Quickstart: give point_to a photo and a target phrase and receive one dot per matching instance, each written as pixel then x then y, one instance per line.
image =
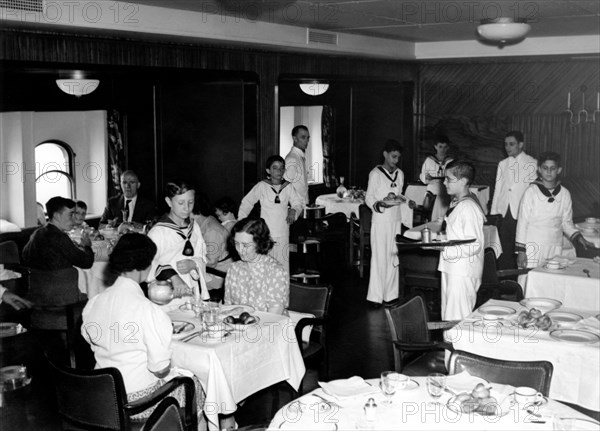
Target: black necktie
pixel 127 202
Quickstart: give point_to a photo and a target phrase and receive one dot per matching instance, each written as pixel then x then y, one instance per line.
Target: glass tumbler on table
pixel 436 384
pixel 390 380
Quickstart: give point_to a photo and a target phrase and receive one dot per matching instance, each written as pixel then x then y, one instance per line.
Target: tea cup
pixel 553 264
pixel 525 396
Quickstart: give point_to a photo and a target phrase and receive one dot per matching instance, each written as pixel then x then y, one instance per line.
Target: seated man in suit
pixel 134 207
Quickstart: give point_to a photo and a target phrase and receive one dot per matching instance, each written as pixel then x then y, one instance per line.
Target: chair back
pixel 9 253
pixel 490 269
pixel 91 398
pixel 408 322
pixel 165 417
pixel 309 299
pixel 535 374
pixel 55 287
pixel 428 202
pixel 365 215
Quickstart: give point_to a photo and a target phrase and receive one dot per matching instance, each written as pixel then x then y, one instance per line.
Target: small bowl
pixel 552 264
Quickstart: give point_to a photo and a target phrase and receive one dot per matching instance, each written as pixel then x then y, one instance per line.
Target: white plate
pixel 547 268
pixel 8 329
pixel 564 319
pixel 543 304
pixel 235 310
pixel 182 327
pixel 496 311
pixel 574 336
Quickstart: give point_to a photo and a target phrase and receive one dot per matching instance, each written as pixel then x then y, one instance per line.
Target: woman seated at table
pixel 126 330
pixel 181 250
pixel 256 279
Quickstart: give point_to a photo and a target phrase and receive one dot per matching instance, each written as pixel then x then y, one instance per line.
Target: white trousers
pixel 384 278
pixel 459 295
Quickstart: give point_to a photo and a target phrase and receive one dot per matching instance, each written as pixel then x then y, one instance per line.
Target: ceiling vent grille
pixel 313 36
pixel 28 5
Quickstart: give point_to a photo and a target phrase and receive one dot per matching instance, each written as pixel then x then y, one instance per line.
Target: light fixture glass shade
pixel 503 29
pixel 78 87
pixel 314 88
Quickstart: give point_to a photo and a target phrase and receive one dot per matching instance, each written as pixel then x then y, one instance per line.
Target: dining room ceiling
pixel 412 21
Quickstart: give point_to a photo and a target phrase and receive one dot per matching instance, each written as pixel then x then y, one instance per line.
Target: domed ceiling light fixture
pixel 503 30
pixel 314 88
pixel 78 85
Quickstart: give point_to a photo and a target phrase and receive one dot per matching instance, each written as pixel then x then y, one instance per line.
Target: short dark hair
pixel 392 145
pixel 462 169
pixel 57 204
pixel 134 251
pixel 442 139
pixel 297 128
pixel 179 187
pixel 81 204
pixel 129 172
pixel 258 229
pixel 226 204
pixel 515 134
pixel 272 159
pixel 202 205
pixel 549 155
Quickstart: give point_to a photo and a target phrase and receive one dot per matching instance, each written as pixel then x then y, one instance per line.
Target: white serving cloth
pixel 412 409
pixel 576 377
pixel 242 364
pixel 570 285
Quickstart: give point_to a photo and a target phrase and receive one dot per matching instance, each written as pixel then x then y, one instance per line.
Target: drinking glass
pixel 210 314
pixel 436 383
pixel 562 424
pixel 390 380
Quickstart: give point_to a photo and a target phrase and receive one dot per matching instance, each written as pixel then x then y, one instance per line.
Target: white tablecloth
pixel 411 409
pixel 490 235
pixel 576 377
pixel 334 204
pixel 242 364
pixel 91 280
pixel 571 285
pixel 416 192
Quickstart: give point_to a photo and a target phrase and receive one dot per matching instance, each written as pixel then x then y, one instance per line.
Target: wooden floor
pixel 359 345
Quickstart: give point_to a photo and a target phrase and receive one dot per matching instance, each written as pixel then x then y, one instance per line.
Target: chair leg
pixel 70 335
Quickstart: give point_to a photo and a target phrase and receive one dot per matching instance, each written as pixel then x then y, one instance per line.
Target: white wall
pixel 20 132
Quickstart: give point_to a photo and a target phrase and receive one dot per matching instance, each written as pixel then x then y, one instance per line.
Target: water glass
pixel 211 312
pixel 390 381
pixel 436 383
pixel 563 424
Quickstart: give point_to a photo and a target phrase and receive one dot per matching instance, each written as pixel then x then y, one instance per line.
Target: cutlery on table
pixel 191 336
pixel 329 402
pixel 587 272
pixel 181 328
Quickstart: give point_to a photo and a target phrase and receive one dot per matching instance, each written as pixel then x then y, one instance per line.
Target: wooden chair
pixel 312 300
pixel 535 374
pixel 415 351
pixel 96 399
pixel 331 231
pixel 57 304
pixel 165 417
pixel 422 213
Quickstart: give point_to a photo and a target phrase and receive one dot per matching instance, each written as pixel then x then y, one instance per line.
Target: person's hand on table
pixel 412 205
pixel 15 301
pixel 184 266
pixel 428 178
pixel 522 259
pixel 180 288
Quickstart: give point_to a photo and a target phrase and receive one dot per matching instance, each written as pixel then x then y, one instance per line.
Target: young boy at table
pixel 545 215
pixel 385 185
pixel 280 206
pixel 461 266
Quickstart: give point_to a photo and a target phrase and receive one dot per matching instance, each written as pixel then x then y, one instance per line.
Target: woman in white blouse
pixel 126 330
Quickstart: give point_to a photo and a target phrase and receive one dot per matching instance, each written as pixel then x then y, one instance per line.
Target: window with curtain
pixel 54 171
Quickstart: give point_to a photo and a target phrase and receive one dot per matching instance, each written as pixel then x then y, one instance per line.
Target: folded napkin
pixel 463 382
pixel 346 388
pixel 591 324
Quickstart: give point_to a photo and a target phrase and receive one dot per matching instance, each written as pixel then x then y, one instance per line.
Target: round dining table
pixel 412 408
